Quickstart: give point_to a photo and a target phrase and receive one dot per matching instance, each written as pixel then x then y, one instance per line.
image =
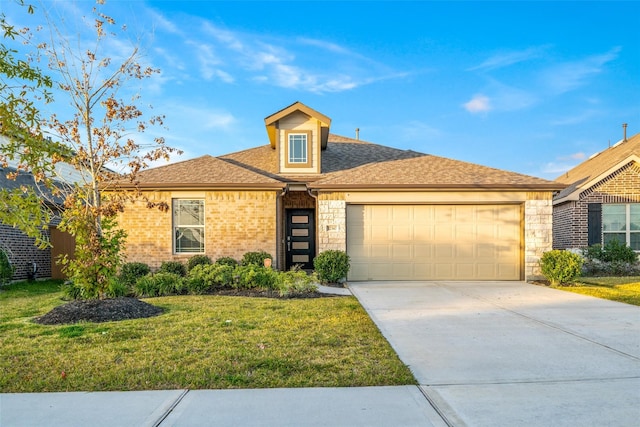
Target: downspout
pixel 316 218
pixel 279 228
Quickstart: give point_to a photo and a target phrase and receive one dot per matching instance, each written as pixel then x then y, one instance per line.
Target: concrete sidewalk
pixel 512 353
pixel 363 406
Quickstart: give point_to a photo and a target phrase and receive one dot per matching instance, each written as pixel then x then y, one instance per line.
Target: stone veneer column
pixel 538 235
pixel 332 223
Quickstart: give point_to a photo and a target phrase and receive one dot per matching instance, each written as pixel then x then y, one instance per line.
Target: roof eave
pixel 204 186
pixel 438 187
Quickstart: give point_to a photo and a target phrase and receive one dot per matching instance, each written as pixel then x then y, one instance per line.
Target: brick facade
pixel 236 222
pixel 23 253
pixel 570 226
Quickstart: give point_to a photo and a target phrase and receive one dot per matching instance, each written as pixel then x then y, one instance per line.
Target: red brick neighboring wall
pixel 235 222
pixel 570 219
pixel 22 253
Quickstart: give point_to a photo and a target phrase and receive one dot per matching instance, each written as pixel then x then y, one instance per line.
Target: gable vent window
pixel 298 151
pixel 622 222
pixel 188 226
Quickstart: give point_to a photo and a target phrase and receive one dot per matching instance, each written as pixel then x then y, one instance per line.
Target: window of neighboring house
pixel 188 226
pixel 621 222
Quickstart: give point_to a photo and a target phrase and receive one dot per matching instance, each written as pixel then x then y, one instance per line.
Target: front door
pixel 300 239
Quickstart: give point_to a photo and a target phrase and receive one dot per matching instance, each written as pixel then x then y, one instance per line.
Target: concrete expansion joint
pixel 439 410
pixel 171 408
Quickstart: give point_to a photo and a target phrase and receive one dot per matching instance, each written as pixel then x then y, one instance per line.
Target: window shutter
pixel 594 224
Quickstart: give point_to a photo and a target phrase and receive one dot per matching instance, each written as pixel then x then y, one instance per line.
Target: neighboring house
pixel 602 199
pixel 399 214
pixel 27 259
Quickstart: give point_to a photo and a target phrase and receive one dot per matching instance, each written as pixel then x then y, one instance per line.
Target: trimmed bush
pixel 203 278
pixel 331 266
pixel 561 267
pixel 132 271
pixel 295 282
pixel 612 251
pixel 226 260
pixel 159 284
pixel 254 277
pixel 255 258
pixel 198 260
pixel 174 267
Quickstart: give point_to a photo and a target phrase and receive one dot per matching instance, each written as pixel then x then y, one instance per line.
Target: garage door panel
pixel 434 242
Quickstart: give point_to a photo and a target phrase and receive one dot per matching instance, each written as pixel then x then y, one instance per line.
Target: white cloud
pixel 161 22
pixel 575 119
pixel 505 59
pixel 478 104
pixel 572 75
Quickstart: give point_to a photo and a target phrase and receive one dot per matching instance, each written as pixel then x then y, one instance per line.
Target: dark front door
pixel 300 239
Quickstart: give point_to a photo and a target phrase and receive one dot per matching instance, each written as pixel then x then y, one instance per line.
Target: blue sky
pixel 531 87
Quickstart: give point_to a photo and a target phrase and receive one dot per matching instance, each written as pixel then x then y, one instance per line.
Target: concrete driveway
pixel 512 353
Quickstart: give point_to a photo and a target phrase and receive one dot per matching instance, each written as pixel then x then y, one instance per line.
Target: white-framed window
pixel 621 222
pixel 188 226
pixel 298 152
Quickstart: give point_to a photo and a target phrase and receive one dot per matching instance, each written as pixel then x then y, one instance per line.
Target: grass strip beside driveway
pixel 621 289
pixel 200 342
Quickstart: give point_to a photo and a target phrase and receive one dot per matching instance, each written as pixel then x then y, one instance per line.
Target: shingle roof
pixel 202 172
pixel 27 180
pixel 427 171
pixel 346 162
pixel 599 166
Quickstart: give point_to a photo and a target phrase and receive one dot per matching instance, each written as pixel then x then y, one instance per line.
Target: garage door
pixel 434 242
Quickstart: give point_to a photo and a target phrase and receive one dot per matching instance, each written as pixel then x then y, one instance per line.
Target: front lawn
pixel 622 289
pixel 200 342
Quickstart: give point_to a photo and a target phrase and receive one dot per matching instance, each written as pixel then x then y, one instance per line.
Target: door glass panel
pixel 300 219
pixel 300 258
pixel 300 245
pixel 300 232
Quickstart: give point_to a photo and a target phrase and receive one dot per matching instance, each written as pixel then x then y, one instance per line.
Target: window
pixel 188 226
pixel 622 222
pixel 298 148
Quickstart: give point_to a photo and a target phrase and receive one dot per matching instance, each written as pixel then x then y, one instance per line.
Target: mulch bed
pixel 111 310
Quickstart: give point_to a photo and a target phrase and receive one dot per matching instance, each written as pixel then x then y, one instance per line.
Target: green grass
pixel 622 289
pixel 200 342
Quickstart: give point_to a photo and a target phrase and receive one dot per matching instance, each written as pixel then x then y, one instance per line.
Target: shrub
pixel 253 276
pixel 612 251
pixel 174 267
pixel 198 260
pixel 561 267
pixel 205 277
pixel 6 269
pixel 131 271
pixel 117 289
pixel 295 282
pixel 255 258
pixel 226 260
pixel 70 291
pixel 616 251
pixel 159 284
pixel 331 266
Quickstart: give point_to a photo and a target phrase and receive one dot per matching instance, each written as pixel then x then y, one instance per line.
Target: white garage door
pixel 434 242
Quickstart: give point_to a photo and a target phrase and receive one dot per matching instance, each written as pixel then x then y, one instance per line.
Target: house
pixel 399 214
pixel 29 261
pixel 602 199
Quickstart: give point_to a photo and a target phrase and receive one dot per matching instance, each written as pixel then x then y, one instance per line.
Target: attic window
pixel 298 149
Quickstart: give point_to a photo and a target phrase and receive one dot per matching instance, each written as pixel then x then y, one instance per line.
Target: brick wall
pixel 570 219
pixel 235 222
pixel 22 253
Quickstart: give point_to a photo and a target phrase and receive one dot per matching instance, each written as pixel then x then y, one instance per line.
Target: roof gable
pixel 271 122
pixel 598 167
